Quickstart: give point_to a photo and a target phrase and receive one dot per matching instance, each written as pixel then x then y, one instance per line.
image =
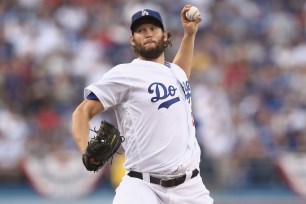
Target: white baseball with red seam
pixel 193 13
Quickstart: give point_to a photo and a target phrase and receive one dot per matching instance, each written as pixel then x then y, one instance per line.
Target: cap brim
pixel 144 18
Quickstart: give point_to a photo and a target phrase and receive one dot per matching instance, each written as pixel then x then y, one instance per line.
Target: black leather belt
pixel 164 182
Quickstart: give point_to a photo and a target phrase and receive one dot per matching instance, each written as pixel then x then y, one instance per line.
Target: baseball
pixel 193 13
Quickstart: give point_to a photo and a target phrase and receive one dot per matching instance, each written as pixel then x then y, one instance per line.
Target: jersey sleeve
pixel 179 72
pixel 111 90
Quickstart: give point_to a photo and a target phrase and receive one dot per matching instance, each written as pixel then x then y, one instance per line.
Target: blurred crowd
pixel 248 77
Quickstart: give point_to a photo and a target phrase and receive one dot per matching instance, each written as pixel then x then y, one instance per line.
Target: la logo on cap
pixel 144 13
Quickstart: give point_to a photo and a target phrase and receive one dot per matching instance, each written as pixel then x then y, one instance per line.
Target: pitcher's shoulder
pixel 178 70
pixel 120 68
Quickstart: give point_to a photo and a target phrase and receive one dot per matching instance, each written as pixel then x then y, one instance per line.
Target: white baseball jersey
pixel 152 103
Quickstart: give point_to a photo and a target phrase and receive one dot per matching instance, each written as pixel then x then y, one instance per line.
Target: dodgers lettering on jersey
pixel 152 103
pixel 162 92
pixel 187 90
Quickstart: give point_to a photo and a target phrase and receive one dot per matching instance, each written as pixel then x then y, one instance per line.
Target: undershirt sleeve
pixel 92 96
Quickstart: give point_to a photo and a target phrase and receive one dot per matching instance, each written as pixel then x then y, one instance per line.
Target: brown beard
pixel 152 53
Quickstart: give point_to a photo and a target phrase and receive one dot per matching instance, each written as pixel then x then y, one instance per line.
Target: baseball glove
pixel 102 147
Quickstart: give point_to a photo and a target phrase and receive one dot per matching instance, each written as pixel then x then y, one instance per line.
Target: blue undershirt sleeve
pixel 92 96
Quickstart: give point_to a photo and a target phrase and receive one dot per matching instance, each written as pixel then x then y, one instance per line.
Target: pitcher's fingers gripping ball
pixel 102 147
pixel 193 13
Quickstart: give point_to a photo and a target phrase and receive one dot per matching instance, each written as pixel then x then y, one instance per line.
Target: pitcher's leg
pixel 134 191
pixel 192 191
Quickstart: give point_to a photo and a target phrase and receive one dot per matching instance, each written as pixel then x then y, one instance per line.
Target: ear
pixel 132 41
pixel 165 36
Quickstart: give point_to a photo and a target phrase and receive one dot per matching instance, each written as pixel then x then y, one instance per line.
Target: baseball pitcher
pixel 152 102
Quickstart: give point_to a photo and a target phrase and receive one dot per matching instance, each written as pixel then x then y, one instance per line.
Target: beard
pixel 150 53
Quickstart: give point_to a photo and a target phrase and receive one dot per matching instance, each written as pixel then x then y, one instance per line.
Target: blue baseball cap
pixel 146 14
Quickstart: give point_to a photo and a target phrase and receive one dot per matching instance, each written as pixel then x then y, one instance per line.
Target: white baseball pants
pixel 136 191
